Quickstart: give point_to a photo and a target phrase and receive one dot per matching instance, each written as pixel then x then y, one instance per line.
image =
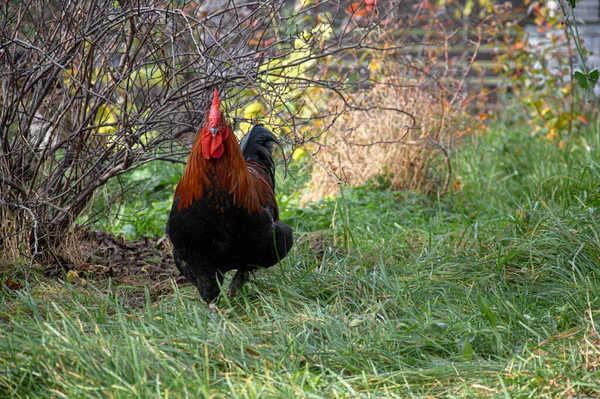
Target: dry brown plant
pixel 405 139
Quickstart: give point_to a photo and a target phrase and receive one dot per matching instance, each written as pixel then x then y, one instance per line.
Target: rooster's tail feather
pixel 257 146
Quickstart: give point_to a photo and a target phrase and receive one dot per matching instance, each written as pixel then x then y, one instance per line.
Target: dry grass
pixel 14 242
pixel 406 138
pixel 590 348
pixel 21 245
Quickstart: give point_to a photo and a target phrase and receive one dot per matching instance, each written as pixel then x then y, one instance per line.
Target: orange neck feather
pixel 228 173
pixel 222 168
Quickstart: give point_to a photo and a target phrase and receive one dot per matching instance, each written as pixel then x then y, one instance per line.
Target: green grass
pixel 137 204
pixel 489 291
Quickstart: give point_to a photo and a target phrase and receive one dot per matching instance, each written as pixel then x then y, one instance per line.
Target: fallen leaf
pixel 73 278
pixel 12 285
pixel 252 352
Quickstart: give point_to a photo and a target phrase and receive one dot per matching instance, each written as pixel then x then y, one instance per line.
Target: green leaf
pixel 438 327
pixel 497 345
pixel 467 349
pixel 593 77
pixel 581 80
pixel 587 82
pixel 572 3
pixel 486 311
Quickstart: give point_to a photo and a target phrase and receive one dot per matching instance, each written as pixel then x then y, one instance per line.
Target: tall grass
pixel 490 291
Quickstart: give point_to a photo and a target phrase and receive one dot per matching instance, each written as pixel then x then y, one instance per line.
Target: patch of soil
pixel 97 255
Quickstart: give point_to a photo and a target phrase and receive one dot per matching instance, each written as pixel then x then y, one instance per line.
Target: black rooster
pixel 224 215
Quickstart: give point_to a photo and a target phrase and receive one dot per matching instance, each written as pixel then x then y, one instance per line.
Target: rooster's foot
pixel 238 281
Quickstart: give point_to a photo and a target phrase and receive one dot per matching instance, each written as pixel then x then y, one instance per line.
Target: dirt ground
pixel 97 257
pixel 101 254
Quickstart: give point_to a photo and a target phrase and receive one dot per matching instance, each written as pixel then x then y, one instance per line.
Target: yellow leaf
pixel 551 136
pixel 469 7
pixel 245 127
pixel 72 274
pixel 374 66
pixel 106 119
pixel 253 110
pixel 299 153
pixel 306 35
pixel 73 278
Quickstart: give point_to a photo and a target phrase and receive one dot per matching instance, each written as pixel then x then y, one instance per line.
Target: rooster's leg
pixel 238 281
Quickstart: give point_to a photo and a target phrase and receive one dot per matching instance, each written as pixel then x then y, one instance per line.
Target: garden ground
pixel 491 290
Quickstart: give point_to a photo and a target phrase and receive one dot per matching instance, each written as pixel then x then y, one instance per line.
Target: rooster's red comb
pixel 214 116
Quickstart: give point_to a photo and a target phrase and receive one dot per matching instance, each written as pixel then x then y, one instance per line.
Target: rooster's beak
pixel 213 131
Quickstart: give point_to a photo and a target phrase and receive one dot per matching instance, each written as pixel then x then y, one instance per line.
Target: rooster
pixel 224 215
